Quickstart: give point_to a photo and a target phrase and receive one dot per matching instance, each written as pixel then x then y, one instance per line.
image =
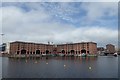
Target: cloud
pixel 97 12
pixel 0 24
pixel 79 13
pixel 59 0
pixel 39 25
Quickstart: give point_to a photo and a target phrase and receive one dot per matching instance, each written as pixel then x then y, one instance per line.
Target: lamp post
pixel 2 40
pixel 2 36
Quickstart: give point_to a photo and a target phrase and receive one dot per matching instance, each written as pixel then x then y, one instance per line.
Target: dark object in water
pixel 46 57
pixel 106 54
pixel 115 55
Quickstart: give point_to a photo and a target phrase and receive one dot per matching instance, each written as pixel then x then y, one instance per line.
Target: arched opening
pixel 76 52
pixel 55 51
pixel 63 51
pixel 68 52
pixel 72 51
pixel 83 51
pixel 37 51
pixel 88 52
pixel 23 51
pixel 47 51
pixel 31 52
pixel 27 52
pixel 17 52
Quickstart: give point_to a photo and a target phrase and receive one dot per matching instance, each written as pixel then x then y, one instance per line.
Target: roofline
pixel 28 42
pixel 51 44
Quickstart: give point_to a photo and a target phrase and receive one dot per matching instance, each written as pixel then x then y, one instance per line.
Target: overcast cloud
pixel 60 22
pixel 59 0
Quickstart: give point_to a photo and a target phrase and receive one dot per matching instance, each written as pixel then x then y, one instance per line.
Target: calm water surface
pixel 60 67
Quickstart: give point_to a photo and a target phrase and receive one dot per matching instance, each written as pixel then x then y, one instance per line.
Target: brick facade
pixel 110 48
pixel 37 48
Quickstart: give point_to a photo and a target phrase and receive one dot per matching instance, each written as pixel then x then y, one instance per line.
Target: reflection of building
pixel 36 48
pixel 110 48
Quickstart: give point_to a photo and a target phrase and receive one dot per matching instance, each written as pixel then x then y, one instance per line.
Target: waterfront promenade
pixel 47 55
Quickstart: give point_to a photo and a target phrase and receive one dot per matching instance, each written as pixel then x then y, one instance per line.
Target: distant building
pixel 118 51
pixel 3 47
pixel 100 50
pixel 110 48
pixel 39 48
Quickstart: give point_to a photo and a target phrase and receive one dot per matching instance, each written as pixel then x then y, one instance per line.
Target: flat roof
pixel 52 44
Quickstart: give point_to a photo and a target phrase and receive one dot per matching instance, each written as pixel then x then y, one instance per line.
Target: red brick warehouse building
pixel 18 47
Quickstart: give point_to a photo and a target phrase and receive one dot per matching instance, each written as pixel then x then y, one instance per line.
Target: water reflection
pixel 38 59
pixel 0 67
pixel 60 67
